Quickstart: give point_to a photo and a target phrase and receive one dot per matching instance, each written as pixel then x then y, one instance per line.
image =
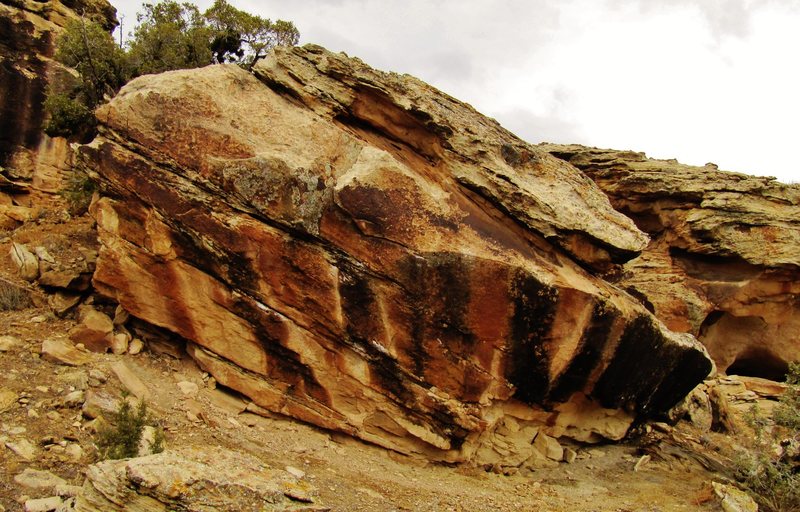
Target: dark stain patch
pixel 283 364
pixel 363 330
pixel 527 365
pixel 690 368
pixel 21 97
pixel 592 343
pixel 517 157
pixel 646 369
pixel 413 272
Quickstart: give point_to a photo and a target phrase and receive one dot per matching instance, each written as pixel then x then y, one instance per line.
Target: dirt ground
pixel 347 474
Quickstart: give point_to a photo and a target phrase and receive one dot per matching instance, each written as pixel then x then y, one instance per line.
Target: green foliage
pixel 91 51
pixel 239 36
pixel 770 469
pixel 170 35
pixel 78 190
pixel 67 117
pixel 787 413
pixel 122 440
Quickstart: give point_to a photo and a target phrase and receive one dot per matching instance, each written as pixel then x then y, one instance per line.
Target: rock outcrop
pixel 724 261
pixel 358 250
pixel 28 31
pixel 193 479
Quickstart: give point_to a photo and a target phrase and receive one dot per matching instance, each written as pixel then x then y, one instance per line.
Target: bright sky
pixel 697 80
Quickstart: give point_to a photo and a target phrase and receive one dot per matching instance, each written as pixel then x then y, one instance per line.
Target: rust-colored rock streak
pixel 360 251
pixel 724 259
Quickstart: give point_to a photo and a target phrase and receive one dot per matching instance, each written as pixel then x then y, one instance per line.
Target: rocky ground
pixel 48 402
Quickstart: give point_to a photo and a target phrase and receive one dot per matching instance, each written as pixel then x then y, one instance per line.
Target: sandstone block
pixel 63 352
pixel 26 262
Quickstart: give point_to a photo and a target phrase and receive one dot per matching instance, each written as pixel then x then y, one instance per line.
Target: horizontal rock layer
pixel 724 261
pixel 362 252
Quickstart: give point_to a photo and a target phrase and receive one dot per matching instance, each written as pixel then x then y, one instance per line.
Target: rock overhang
pixel 360 251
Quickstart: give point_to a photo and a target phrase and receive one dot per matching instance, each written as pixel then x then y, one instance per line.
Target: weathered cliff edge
pixel 362 252
pixel 28 31
pixel 724 260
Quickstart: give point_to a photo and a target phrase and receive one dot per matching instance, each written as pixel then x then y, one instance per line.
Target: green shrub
pixel 78 190
pixel 787 413
pixel 67 117
pixel 770 469
pixel 122 439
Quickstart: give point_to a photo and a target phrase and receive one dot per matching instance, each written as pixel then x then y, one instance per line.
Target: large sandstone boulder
pixel 357 250
pixel 724 261
pixel 28 31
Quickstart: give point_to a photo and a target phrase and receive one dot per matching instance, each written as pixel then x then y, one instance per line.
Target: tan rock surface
pixel 724 261
pixel 364 253
pixel 194 479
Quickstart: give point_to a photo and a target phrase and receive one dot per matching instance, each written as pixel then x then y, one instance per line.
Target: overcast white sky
pixel 697 80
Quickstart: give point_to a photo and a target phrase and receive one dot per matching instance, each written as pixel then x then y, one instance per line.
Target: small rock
pixel 53 415
pixel 43 504
pixel 33 414
pixel 188 388
pixel 120 316
pixel 94 331
pixel 297 473
pixel 27 263
pixel 43 255
pixel 570 455
pixel 98 375
pixel 136 346
pixel 23 449
pixel 75 399
pixel 733 499
pixel 119 343
pixel 38 319
pixel 130 380
pixel 99 404
pixel 36 479
pixel 7 399
pixel 9 342
pixel 211 383
pixel 74 452
pixel 63 352
pixel 66 280
pixel 643 460
pixel 61 302
pixel 548 447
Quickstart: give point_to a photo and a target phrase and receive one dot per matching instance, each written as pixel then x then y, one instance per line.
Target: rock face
pixel 724 260
pixel 357 250
pixel 28 30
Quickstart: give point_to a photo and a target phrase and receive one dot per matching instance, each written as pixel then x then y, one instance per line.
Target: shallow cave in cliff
pixel 759 362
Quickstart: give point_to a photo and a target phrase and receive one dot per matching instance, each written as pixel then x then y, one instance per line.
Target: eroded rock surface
pixel 194 479
pixel 28 32
pixel 362 252
pixel 724 261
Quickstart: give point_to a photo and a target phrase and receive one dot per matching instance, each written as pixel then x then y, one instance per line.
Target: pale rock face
pixel 724 261
pixel 183 479
pixel 357 250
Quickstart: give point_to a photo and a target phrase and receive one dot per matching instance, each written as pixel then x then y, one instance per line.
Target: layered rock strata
pixel 28 31
pixel 724 260
pixel 357 250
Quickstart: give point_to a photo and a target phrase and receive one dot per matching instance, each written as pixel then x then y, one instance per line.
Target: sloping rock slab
pixel 724 261
pixel 193 479
pixel 357 250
